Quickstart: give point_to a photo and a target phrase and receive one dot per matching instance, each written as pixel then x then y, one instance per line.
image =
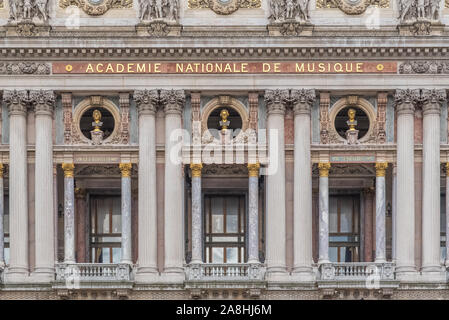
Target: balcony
pixel 93 276
pixel 357 275
pixel 250 277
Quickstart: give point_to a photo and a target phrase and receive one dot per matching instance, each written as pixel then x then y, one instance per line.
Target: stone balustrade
pixel 85 272
pixel 356 271
pixel 225 272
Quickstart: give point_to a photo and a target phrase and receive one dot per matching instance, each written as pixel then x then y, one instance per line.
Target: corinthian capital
pixel 16 101
pixel 432 100
pixel 173 101
pixel 302 100
pixel 406 100
pixel 43 101
pixel 146 101
pixel 276 100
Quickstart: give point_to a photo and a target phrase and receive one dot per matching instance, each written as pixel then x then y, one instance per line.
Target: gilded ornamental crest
pixel 224 7
pixel 352 6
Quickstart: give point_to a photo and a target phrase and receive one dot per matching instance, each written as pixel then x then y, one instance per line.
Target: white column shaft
pixel 253 220
pixel 275 194
pixel 431 192
pixel 147 234
pixel 44 224
pixel 174 244
pixel 2 231
pixel 405 247
pixel 302 198
pixel 18 196
pixel 69 220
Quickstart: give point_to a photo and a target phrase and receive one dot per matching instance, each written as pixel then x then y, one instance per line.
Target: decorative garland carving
pixel 96 9
pixel 424 67
pixel 225 169
pixel 352 8
pixel 25 68
pixel 224 8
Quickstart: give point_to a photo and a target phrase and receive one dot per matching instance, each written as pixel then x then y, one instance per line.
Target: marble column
pixel 405 247
pixel 432 100
pixel 44 104
pixel 253 212
pixel 380 212
pixel 324 168
pixel 125 169
pixel 446 263
pixel 173 102
pixel 275 193
pixel 394 215
pixel 69 213
pixel 2 212
pixel 17 102
pixel 302 185
pixel 197 216
pixel 146 101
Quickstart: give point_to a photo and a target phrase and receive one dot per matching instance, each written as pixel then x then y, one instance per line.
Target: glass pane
pixel 116 215
pixel 217 215
pixel 333 225
pixel 333 254
pixel 225 239
pixel 6 252
pixel 103 217
pixel 109 239
pixel 346 214
pixel 105 254
pixel 345 254
pixel 217 255
pixel 6 223
pixel 232 210
pixel 232 255
pixel 443 254
pixel 116 255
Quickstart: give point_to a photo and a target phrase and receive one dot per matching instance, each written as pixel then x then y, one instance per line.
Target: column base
pixel 407 273
pixel 277 274
pixel 43 275
pixel 16 275
pixel 303 274
pixel 173 275
pixel 433 273
pixel 147 275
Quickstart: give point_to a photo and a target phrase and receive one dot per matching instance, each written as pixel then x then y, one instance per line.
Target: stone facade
pixel 116 108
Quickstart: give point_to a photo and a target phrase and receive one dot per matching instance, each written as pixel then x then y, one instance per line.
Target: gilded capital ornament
pixel 68 169
pixel 1 170
pixel 253 169
pixel 381 167
pixel 125 169
pixel 196 169
pixel 324 168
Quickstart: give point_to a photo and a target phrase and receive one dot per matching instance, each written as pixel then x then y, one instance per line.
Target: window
pixel 344 237
pixel 225 225
pixel 106 226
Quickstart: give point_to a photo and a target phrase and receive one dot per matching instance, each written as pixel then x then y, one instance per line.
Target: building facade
pixel 209 149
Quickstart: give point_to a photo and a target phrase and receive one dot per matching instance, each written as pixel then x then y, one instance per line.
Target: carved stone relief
pixel 97 7
pixel 289 10
pixel 352 7
pixel 419 15
pixel 424 67
pixel 25 68
pixel 224 7
pixel 27 10
pixel 167 11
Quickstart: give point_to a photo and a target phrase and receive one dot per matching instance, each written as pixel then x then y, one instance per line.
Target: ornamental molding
pixel 225 169
pixel 43 101
pixel 225 7
pixel 25 68
pixel 352 7
pixel 254 53
pixel 352 169
pixel 424 67
pixel 96 7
